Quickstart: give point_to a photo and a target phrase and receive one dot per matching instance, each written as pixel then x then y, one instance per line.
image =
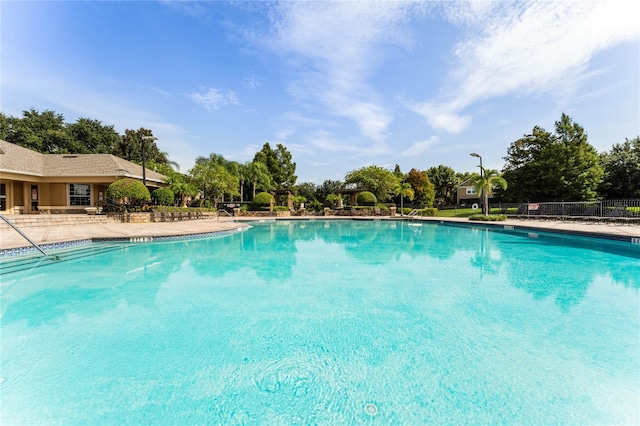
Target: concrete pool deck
pixel 42 235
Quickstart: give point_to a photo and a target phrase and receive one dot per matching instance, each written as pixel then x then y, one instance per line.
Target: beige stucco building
pixel 31 182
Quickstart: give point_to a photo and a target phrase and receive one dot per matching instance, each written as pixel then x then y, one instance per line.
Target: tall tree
pixel 130 144
pixel 622 170
pixel 552 167
pixel 280 165
pixel 380 181
pixel 259 176
pixel 444 182
pixel 420 182
pixel 327 188
pixel 92 137
pixel 42 132
pixel 484 184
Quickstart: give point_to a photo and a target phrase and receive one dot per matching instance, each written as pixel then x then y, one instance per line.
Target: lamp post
pixel 144 173
pixel 485 210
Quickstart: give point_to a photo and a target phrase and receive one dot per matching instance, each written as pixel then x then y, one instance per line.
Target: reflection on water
pixel 337 322
pixel 543 265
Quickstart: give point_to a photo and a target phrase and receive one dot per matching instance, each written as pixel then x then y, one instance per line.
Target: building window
pixel 3 197
pixel 79 194
pixel 471 191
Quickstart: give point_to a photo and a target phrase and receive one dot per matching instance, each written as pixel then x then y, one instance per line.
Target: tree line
pixel 541 166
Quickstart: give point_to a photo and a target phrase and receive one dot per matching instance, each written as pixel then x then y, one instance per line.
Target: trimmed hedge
pixel 366 198
pixel 489 218
pixel 163 196
pixel 261 201
pixel 128 188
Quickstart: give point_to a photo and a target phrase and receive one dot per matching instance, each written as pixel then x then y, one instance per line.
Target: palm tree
pixel 484 184
pixel 404 189
pixel 259 173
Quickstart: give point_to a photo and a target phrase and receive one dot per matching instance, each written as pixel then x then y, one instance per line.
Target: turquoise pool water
pixel 341 322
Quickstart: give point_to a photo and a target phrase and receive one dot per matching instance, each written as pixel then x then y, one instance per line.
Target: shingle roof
pixel 14 158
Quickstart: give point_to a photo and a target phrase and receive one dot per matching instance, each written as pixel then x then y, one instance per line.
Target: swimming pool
pixel 327 322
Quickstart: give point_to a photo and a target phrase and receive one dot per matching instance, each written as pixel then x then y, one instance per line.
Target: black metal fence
pixel 622 210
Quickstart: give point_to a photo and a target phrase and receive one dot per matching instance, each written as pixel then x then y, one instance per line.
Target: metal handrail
pixel 11 224
pixel 227 213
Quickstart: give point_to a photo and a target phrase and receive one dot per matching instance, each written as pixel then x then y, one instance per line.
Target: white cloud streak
pixel 213 99
pixel 524 47
pixel 419 147
pixel 334 48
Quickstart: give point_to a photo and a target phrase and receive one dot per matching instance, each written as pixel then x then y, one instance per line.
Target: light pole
pixel 144 173
pixel 485 210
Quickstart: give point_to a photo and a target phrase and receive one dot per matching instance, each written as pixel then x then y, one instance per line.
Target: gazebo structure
pixel 279 193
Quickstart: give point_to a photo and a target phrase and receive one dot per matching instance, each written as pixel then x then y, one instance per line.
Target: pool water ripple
pixel 335 322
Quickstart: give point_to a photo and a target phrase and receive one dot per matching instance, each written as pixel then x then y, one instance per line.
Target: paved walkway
pixel 53 234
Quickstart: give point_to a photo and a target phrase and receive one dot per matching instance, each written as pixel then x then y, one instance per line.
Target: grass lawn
pixel 456 213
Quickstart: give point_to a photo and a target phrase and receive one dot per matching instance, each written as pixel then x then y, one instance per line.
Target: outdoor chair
pixel 522 210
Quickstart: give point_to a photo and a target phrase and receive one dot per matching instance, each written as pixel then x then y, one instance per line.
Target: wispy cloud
pixel 213 99
pixel 527 47
pixel 419 147
pixel 333 49
pixel 189 8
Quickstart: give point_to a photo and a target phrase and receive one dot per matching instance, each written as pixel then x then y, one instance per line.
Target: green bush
pixel 430 212
pixel 128 188
pixel 314 206
pixel 280 208
pixel 163 196
pixel 488 218
pixel 261 201
pixel 366 198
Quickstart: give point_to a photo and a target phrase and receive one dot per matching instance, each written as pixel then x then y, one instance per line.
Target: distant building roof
pixel 17 159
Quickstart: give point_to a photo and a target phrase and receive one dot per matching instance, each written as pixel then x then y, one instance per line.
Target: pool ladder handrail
pixel 227 213
pixel 11 224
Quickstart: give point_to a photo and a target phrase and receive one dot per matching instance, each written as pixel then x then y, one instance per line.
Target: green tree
pixel 130 144
pixel 92 137
pixel 484 185
pixel 622 170
pixel 552 167
pixel 212 176
pixel 381 182
pixel 182 188
pixel 444 182
pixel 259 175
pixel 42 132
pixel 327 188
pixel 423 189
pixel 306 190
pixel 404 190
pixel 280 165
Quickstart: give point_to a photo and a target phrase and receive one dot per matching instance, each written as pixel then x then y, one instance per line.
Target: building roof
pixel 17 159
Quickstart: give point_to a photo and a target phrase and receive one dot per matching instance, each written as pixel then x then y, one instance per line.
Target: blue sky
pixel 341 84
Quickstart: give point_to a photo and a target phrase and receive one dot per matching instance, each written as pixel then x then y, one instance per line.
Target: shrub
pixel 366 198
pixel 262 201
pixel 314 206
pixel 430 211
pixel 488 218
pixel 128 188
pixel 163 196
pixel 280 208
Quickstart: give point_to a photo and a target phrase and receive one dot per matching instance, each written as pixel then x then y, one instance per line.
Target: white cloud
pixel 419 147
pixel 213 99
pixel 441 117
pixel 334 48
pixel 527 47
